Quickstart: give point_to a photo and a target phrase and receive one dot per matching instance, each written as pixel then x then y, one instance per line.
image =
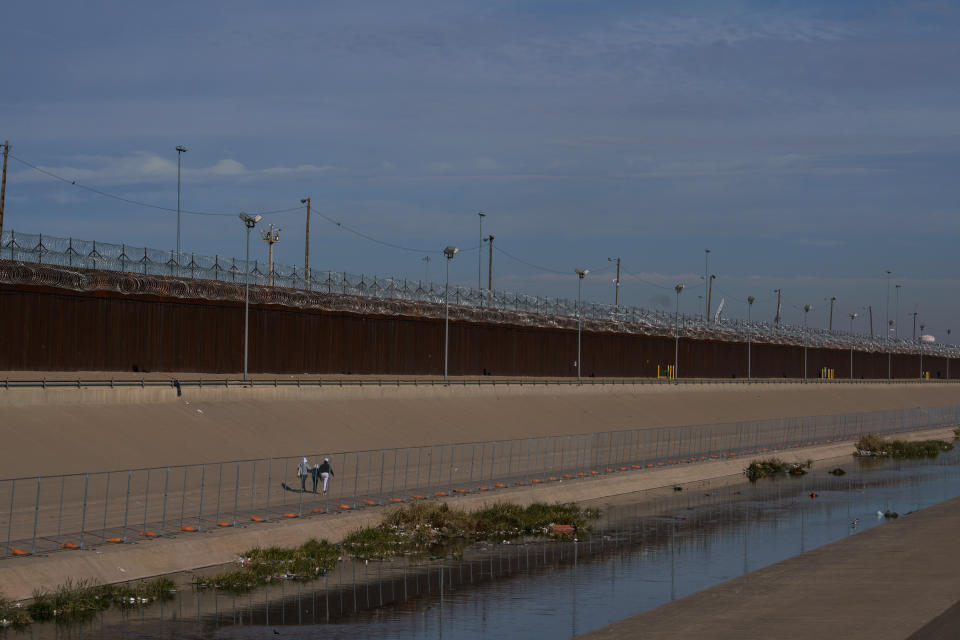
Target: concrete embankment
pixel 60 430
pixel 891 582
pixel 116 563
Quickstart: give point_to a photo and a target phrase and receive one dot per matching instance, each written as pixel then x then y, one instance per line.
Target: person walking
pixel 303 470
pixel 315 475
pixel 326 471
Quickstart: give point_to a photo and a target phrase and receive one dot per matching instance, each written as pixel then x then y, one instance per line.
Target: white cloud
pixel 141 167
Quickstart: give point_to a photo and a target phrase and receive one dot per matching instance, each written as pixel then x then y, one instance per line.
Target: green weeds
pixel 772 466
pixel 874 445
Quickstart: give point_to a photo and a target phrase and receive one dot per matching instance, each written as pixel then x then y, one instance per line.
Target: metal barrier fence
pixel 200 383
pixel 50 513
pixel 65 263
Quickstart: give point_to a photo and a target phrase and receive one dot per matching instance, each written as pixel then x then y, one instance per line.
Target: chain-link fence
pixel 163 272
pixel 50 513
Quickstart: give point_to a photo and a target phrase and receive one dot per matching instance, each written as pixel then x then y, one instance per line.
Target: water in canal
pixel 648 548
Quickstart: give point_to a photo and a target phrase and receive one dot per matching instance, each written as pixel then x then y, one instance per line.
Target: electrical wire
pixel 530 264
pixel 645 281
pixel 138 203
pixel 377 240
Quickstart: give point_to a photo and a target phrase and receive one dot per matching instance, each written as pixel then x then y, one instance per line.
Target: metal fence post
pixel 183 497
pixel 36 517
pixel 383 454
pixel 60 510
pixel 146 500
pixel 126 507
pixel 269 487
pixel 106 503
pixel 356 477
pixel 163 518
pixel 203 480
pixel 253 485
pixel 83 515
pixel 430 468
pixel 236 495
pixel 219 488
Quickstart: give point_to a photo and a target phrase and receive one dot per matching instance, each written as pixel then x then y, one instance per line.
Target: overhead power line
pixel 139 203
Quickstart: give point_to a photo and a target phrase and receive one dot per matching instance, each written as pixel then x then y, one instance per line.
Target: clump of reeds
pixel 772 466
pixel 874 445
pixel 261 565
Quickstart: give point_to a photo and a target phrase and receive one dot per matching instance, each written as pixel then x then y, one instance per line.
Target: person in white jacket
pixel 303 470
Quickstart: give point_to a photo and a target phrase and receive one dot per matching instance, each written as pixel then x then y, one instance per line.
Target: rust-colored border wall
pixel 48 329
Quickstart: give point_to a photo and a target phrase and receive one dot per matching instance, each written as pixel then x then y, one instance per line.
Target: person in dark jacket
pixel 326 472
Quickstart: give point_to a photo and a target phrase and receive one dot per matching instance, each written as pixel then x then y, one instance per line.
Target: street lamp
pixel 616 291
pixel 676 329
pixel 852 318
pixel 250 222
pixel 949 350
pixel 180 151
pixel 886 338
pixel 897 325
pixel 580 274
pixel 922 327
pixel 750 301
pixel 449 252
pixel 706 270
pixel 306 245
pixel 806 310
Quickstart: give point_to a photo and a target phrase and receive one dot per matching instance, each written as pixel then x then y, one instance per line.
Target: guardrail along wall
pixel 43 514
pixel 54 329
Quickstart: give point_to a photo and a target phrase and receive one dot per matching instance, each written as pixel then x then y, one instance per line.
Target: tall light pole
pixel 922 327
pixel 449 252
pixel 897 325
pixel 710 297
pixel 776 319
pixel 306 246
pixel 706 270
pixel 481 215
pixel 852 318
pixel 250 222
pixel 806 310
pixel 889 349
pixel 676 330
pixel 580 274
pixel 616 291
pixel 180 151
pixel 949 350
pixel 750 301
pixel 426 268
pixel 832 300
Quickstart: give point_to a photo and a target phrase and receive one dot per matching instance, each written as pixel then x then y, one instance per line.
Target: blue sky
pixel 811 146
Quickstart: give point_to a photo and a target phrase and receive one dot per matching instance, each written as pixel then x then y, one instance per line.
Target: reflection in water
pixel 649 548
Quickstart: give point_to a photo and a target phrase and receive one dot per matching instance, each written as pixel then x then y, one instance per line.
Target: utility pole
pixel 490 269
pixel 832 300
pixel 777 319
pixel 616 291
pixel 481 215
pixel 426 269
pixel 3 183
pixel 706 270
pixel 270 237
pixel 710 297
pixel 915 326
pixel 306 247
pixel 180 151
pixel 870 311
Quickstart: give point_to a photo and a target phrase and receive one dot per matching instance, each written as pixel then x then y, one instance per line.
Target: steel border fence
pixel 68 262
pixel 43 514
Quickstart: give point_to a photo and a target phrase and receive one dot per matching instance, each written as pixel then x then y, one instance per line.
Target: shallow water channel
pixel 647 549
